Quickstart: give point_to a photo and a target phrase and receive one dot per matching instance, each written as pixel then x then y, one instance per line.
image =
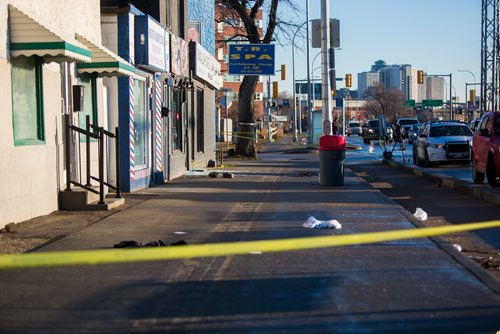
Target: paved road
pixel 374 151
pixel 411 286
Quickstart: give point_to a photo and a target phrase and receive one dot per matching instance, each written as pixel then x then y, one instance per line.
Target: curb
pixel 475 190
pixel 474 268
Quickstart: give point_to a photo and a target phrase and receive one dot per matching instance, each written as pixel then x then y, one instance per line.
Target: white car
pixel 354 128
pixel 443 141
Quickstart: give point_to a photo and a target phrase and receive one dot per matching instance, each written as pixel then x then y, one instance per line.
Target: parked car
pixel 474 123
pixel 413 132
pixel 354 128
pixel 371 130
pixel 405 124
pixel 486 150
pixel 443 141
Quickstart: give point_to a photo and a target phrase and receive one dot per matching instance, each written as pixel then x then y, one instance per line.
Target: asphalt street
pixel 406 286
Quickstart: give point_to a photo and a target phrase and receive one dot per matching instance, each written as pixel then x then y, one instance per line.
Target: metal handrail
pixel 100 135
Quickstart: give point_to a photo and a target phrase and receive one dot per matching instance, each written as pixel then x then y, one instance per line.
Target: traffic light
pixel 283 72
pixel 420 77
pixel 275 88
pixel 348 80
pixel 472 97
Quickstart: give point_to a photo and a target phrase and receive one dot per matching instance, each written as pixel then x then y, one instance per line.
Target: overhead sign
pixel 205 66
pixel 334 33
pixel 179 56
pixel 251 59
pixel 432 103
pixel 151 50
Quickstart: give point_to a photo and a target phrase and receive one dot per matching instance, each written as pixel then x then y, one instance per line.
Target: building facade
pixel 181 78
pixel 116 67
pixel 52 69
pixel 434 88
pixel 366 80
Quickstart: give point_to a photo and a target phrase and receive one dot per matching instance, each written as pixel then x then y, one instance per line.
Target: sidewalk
pixel 411 286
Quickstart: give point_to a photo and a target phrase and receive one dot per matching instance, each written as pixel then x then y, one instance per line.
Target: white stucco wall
pixel 33 174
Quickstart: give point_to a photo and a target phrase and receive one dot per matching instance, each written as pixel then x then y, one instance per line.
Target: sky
pixel 437 36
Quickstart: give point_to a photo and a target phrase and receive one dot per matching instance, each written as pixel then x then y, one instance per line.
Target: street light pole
pixel 466 90
pixel 474 77
pixel 451 84
pixel 295 123
pixel 309 111
pixel 269 136
pixel 227 121
pixel 226 135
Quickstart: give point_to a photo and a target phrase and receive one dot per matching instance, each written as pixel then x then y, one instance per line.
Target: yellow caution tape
pixel 92 257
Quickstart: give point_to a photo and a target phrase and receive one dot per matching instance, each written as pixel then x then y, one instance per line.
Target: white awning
pixel 104 61
pixel 29 37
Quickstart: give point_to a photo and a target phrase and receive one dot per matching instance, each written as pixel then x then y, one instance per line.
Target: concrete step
pixel 109 203
pixel 79 199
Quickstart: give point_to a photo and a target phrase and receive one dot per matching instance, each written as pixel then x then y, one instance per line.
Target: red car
pixel 486 150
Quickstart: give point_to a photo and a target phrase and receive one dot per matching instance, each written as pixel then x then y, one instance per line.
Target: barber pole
pixel 158 126
pixel 131 126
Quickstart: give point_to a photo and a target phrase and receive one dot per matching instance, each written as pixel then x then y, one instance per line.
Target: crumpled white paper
pixel 420 214
pixel 314 223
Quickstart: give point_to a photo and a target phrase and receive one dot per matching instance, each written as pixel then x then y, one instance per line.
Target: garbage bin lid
pixel 332 143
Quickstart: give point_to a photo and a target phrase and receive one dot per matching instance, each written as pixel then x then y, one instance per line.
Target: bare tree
pixel 245 11
pixel 387 103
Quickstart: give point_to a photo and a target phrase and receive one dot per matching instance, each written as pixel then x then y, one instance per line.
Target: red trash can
pixel 331 160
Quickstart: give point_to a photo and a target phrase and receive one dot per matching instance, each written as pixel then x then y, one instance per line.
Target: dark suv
pixel 405 125
pixel 371 130
pixel 486 150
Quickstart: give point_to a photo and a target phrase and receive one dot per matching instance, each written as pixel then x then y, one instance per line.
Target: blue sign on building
pixel 251 59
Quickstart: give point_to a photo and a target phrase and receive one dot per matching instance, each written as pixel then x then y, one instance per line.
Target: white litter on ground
pixel 255 252
pixel 180 232
pixel 420 214
pixel 314 223
pixel 457 247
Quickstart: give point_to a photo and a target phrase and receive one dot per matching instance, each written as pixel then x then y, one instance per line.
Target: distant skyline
pixel 437 36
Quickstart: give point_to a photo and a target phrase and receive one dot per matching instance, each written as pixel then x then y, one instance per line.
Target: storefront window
pixel 176 119
pixel 200 129
pixel 140 123
pixel 27 101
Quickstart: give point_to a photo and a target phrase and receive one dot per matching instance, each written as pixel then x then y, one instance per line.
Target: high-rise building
pixel 366 80
pixel 402 78
pixel 379 64
pixel 392 77
pixel 434 88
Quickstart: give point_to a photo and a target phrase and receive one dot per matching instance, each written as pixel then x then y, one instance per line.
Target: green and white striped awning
pixel 29 37
pixel 104 61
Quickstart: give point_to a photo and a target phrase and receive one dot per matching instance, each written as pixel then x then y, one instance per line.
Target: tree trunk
pixel 246 118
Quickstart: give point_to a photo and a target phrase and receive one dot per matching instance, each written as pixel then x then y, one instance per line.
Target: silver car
pixel 353 128
pixel 442 141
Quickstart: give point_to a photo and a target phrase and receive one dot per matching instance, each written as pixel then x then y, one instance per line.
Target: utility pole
pixel 489 55
pixel 309 111
pixel 325 45
pixel 269 136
